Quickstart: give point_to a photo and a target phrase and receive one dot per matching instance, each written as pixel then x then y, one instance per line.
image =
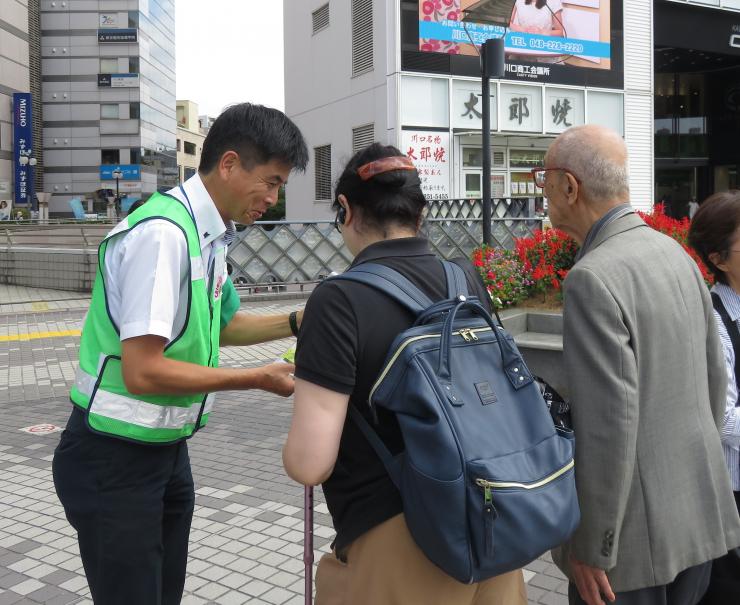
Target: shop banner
pixel 430 153
pixel 6 209
pixel 22 147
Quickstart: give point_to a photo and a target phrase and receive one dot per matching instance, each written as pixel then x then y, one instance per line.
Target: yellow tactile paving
pixel 37 335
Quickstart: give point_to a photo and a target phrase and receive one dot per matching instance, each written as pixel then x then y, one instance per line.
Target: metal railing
pixel 278 255
pixel 285 256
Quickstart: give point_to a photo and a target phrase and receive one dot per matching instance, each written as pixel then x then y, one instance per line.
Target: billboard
pixel 22 147
pixel 558 41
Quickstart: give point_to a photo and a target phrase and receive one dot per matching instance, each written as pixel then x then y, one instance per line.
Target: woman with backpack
pixel 715 234
pixel 347 330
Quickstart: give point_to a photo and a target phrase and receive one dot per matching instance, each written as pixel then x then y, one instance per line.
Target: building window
pixel 362 136
pixel 189 148
pixel 109 111
pixel 322 159
pixel 362 37
pixel 110 156
pixel 320 18
pixel 133 65
pixel 135 155
pixel 188 172
pixel 133 19
pixel 134 110
pixel 179 145
pixel 108 65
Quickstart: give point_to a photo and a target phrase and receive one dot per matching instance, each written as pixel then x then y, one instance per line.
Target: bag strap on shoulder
pixel 390 461
pixel 733 332
pixel 393 284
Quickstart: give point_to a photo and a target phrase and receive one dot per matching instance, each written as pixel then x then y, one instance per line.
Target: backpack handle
pixel 514 366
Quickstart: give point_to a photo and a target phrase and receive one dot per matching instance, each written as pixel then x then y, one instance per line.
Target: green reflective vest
pixel 99 388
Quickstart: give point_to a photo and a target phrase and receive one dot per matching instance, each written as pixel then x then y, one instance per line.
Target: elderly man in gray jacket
pixel 646 380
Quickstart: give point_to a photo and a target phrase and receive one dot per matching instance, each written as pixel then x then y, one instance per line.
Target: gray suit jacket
pixel 647 382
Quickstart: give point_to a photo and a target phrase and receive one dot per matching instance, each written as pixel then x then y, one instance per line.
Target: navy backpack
pixel 486 478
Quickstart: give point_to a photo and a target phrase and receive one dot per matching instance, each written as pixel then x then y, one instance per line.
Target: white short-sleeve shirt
pixel 146 269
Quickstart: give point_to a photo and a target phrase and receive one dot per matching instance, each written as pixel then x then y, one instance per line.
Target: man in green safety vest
pixel 162 304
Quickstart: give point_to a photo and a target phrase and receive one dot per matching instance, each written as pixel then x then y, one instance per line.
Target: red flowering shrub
pixel 540 263
pixel 503 274
pixel 678 229
pixel 547 257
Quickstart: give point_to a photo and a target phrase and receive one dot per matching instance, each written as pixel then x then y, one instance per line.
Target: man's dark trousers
pixel 131 505
pixel 687 589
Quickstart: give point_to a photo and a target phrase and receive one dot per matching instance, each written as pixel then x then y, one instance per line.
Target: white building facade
pixel 390 71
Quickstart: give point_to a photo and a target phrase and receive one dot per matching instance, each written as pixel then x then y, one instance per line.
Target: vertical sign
pixel 22 147
pixel 430 153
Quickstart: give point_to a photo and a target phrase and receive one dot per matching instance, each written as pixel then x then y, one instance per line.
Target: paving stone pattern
pixel 247 533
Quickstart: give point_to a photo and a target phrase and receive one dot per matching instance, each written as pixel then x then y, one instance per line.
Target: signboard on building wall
pixel 118 80
pixel 118 35
pixel 22 147
pixel 564 107
pixel 521 108
pixel 575 42
pixel 467 105
pixel 430 153
pixel 130 172
pixel 108 20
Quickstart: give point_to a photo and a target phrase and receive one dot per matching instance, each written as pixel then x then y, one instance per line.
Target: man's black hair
pixel 258 134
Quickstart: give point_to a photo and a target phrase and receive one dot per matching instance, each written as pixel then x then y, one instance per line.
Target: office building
pixel 21 156
pixel 108 72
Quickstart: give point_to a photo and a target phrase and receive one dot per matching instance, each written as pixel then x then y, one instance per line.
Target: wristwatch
pixel 293 321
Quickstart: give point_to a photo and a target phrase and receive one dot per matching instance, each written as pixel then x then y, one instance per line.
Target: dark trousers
pixel 724 586
pixel 131 505
pixel 688 587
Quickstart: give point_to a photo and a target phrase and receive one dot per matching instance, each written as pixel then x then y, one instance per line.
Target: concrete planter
pixel 539 336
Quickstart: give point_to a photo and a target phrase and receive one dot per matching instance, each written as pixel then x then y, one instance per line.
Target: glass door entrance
pixel 675 188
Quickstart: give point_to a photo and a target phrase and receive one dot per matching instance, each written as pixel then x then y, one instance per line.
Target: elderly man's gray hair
pixel 598 157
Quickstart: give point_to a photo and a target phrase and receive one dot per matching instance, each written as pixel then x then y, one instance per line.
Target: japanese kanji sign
pixel 430 152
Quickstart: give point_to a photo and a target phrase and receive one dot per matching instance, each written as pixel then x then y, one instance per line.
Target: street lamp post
pixel 492 12
pixel 118 175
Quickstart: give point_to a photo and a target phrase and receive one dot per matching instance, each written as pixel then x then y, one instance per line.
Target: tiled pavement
pixel 246 541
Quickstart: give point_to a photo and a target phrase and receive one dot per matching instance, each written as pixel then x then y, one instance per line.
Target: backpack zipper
pixel 489 485
pixel 468 334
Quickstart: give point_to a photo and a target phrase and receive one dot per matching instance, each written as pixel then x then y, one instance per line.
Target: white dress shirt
pixel 146 269
pixel 731 425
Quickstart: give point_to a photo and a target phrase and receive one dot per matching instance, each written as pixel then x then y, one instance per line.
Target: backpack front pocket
pixel 518 511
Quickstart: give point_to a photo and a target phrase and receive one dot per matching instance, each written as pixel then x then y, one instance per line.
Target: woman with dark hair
pixel 345 335
pixel 715 234
pixel 544 17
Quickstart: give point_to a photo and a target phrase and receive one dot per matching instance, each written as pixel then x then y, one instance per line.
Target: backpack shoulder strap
pixel 390 282
pixel 457 284
pixel 732 330
pixel 390 462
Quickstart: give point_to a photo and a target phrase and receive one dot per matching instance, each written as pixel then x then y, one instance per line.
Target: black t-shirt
pixel 345 335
